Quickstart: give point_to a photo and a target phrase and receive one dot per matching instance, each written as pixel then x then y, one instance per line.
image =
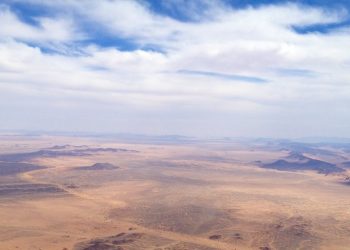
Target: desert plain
pixel 82 193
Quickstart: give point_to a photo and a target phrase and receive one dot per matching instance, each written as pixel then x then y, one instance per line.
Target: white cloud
pixel 255 42
pixel 46 30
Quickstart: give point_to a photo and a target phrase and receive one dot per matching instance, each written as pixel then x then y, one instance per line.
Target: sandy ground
pixel 169 197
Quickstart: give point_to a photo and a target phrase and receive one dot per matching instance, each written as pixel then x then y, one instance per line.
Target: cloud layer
pixel 121 66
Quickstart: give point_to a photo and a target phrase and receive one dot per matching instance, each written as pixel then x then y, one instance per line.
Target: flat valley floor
pixel 61 193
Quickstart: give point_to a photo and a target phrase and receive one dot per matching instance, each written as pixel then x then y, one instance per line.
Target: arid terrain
pixel 60 193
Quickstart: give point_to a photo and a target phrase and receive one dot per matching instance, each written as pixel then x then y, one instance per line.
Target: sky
pixel 190 67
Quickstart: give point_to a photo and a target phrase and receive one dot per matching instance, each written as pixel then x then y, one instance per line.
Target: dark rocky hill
pixel 298 162
pixel 98 166
pixel 10 168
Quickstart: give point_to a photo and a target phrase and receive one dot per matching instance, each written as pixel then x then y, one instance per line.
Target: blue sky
pixel 181 10
pixel 201 67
